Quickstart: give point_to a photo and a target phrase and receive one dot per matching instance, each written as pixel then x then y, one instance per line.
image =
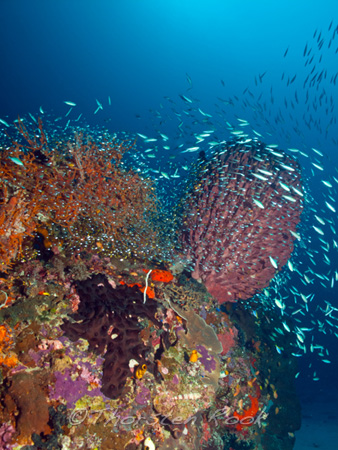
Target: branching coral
pixel 78 188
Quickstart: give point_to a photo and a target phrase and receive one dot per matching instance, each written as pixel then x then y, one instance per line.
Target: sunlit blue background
pixel 138 51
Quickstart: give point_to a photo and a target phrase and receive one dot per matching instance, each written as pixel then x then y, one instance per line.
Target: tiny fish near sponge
pixel 238 216
pixel 140 371
pixel 194 356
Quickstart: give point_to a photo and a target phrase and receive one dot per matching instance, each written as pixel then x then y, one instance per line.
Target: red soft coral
pixel 227 340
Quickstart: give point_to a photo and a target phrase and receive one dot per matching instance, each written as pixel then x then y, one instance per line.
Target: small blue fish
pixel 70 103
pixel 16 160
pixel 4 122
pixel 279 350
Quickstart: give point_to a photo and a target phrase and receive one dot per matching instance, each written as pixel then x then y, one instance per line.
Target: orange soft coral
pixel 161 275
pixel 150 292
pixel 10 360
pixel 7 357
pixel 246 419
pixel 5 338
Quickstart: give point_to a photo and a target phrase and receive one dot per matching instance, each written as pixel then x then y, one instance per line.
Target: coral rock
pixel 25 392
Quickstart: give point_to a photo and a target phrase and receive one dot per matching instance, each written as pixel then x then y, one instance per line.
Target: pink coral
pixel 87 375
pixel 6 433
pixel 227 340
pixel 74 300
pixel 49 344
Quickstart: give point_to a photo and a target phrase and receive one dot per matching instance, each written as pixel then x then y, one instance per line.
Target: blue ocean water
pixel 184 67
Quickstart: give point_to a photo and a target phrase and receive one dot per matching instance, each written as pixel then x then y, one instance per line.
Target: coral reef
pixel 65 341
pixel 101 345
